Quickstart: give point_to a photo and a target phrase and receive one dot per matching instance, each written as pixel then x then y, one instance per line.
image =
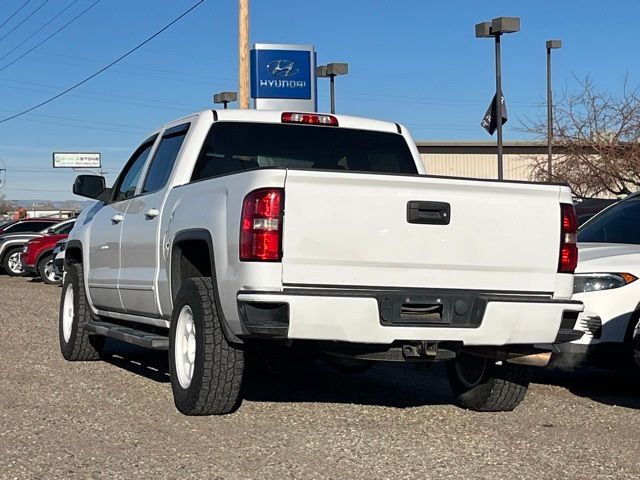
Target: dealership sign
pixel 283 77
pixel 76 160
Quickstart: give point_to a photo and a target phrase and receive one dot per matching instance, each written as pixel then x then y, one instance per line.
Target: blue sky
pixel 413 62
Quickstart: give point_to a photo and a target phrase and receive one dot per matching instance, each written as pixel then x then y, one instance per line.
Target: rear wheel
pixel 47 272
pixel 205 369
pixel 483 385
pixel 12 264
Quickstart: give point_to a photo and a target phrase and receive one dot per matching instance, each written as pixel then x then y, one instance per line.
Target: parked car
pixel 37 254
pixel 28 225
pixel 606 281
pixel 58 258
pixel 11 246
pixel 589 207
pixel 237 229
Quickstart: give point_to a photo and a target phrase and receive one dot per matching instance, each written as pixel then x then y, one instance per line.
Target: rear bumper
pixel 360 317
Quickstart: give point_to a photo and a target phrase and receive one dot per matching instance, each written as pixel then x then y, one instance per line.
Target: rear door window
pixel 618 224
pixel 237 146
pixel 29 227
pixel 164 159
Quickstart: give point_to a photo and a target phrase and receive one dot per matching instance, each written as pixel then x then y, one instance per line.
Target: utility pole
pixel 243 45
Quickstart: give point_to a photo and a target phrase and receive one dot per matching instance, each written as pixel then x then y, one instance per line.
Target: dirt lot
pixel 116 419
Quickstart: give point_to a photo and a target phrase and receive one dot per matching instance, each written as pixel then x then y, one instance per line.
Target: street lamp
pixel 551 45
pixel 495 28
pixel 225 98
pixel 332 70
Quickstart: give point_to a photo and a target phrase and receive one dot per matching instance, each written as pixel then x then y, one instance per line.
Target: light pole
pixel 551 45
pixel 332 70
pixel 225 98
pixel 495 28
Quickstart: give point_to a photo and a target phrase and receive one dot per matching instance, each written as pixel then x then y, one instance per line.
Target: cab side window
pixel 165 158
pixel 125 186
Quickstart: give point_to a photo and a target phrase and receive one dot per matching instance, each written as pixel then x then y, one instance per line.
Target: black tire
pixel 482 385
pixel 77 344
pixel 218 366
pixel 6 261
pixel 41 268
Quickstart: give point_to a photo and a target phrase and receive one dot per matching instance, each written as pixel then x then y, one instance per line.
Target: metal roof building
pixel 478 159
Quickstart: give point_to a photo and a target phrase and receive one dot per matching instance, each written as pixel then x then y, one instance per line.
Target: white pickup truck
pixel 233 231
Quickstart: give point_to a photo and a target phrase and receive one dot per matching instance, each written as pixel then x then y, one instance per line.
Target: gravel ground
pixel 116 418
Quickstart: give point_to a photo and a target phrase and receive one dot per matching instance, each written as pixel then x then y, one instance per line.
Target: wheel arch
pixel 192 255
pixel 73 252
pixel 41 255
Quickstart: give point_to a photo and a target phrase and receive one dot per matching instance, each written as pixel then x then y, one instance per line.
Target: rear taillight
pixel 568 246
pixel 261 225
pixel 309 119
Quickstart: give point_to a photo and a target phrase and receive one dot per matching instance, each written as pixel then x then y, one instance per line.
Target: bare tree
pixel 596 147
pixel 5 205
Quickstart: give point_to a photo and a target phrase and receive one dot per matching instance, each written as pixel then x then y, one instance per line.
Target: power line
pixel 24 20
pixel 137 47
pixel 15 13
pixel 51 36
pixel 39 30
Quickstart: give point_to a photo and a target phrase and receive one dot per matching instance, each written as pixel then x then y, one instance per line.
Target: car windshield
pixel 618 224
pixel 236 146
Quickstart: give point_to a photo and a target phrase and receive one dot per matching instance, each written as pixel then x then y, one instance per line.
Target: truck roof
pixel 274 116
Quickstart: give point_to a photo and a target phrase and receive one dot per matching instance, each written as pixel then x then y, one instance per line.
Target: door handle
pixel 429 213
pixel 151 213
pixel 117 218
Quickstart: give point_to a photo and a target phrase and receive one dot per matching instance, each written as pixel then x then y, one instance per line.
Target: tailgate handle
pixel 429 213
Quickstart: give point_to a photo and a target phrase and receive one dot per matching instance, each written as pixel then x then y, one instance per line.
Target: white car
pixel 606 281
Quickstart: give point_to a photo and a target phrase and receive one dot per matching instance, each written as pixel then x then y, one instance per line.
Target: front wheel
pixel 47 272
pixel 205 369
pixel 12 264
pixel 483 385
pixel 76 342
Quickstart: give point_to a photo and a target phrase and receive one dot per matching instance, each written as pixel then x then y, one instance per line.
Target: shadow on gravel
pixel 141 361
pixel 388 385
pixel 604 386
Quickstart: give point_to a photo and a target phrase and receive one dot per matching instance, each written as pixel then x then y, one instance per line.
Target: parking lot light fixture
pixel 225 98
pixel 551 45
pixel 496 28
pixel 331 71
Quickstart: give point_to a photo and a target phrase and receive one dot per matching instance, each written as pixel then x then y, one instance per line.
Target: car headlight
pixel 594 282
pixel 24 249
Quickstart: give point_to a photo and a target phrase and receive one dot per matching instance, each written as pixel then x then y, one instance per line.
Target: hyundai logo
pixel 282 68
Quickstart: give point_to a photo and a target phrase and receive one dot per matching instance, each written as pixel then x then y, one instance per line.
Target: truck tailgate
pixel 352 229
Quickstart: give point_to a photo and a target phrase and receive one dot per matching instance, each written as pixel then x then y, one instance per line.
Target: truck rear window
pixel 235 146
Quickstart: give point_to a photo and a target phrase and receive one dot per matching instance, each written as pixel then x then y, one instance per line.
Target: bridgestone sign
pixel 76 160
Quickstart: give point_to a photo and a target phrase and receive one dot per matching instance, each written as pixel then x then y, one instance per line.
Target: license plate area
pixel 417 310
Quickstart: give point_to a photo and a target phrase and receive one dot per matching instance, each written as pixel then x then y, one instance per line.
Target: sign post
pixel 283 77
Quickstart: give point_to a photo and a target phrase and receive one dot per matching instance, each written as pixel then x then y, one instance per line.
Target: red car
pixel 37 255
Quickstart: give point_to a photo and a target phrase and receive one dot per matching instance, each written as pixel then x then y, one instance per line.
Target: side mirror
pixel 90 186
pixel 49 230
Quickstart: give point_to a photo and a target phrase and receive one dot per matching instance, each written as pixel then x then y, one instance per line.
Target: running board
pixel 129 335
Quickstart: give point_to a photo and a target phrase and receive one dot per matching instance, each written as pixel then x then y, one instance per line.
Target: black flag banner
pixel 489 121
